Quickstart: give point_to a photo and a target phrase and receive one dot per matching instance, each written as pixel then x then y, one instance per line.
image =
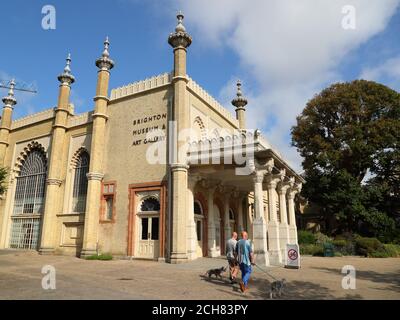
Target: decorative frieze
pixel 141 86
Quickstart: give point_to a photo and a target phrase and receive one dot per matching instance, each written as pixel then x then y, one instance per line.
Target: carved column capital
pixel 95 176
pixel 283 187
pixel 258 176
pixel 294 189
pixel 274 179
pixel 52 181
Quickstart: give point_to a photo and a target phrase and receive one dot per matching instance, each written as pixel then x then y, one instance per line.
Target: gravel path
pixel 318 278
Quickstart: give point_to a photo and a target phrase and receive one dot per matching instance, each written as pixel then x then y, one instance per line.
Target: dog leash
pixel 266 272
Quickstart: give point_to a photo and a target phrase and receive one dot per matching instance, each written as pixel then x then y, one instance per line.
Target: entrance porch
pixel 223 198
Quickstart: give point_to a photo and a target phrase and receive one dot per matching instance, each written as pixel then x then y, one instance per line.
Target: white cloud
pixel 24 99
pixel 290 47
pixel 387 72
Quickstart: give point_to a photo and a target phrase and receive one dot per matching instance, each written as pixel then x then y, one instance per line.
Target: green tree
pixel 345 132
pixel 3 178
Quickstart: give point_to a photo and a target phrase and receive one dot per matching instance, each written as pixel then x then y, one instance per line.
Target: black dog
pixel 217 272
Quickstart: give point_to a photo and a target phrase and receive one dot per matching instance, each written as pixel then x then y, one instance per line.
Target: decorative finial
pixel 239 90
pixel 9 100
pixel 67 68
pixel 12 86
pixel 104 62
pixel 239 102
pixel 66 78
pixel 180 38
pixel 180 27
pixel 106 46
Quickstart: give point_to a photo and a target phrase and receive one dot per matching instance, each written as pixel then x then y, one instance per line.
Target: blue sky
pixel 138 35
pixel 285 51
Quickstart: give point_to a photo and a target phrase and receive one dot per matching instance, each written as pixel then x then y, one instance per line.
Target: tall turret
pixel 240 103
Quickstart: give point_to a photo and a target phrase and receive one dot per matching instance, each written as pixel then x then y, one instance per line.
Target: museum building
pixel 120 179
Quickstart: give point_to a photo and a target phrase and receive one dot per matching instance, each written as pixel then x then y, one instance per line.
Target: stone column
pixel 240 222
pixel 96 174
pixel 227 228
pixel 283 226
pixel 273 225
pixel 259 224
pixel 212 252
pixel 294 189
pixel 52 200
pixel 179 40
pixel 191 224
pixel 6 119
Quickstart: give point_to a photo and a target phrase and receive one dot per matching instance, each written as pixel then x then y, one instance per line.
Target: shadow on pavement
pixel 259 288
pixel 391 278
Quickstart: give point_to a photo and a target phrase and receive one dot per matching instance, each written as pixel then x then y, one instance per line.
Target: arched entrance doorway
pixel 200 234
pixel 148 218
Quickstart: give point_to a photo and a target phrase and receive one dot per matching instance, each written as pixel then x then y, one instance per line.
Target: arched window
pixel 197 208
pixel 80 183
pixel 231 215
pixel 150 204
pixel 29 193
pixel 199 129
pixel 29 201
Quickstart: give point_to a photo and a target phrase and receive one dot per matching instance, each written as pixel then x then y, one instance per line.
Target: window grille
pixel 29 202
pixel 25 233
pixel 150 204
pixel 80 183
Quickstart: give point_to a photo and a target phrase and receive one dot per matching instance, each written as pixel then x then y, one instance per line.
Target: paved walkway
pixel 319 278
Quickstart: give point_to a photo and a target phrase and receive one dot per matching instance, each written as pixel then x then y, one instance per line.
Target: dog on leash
pixel 277 288
pixel 217 272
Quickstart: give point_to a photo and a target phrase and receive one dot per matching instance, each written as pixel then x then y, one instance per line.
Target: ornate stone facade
pixel 148 193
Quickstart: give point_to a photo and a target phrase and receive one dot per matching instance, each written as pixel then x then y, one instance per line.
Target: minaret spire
pixel 240 103
pixel 54 175
pixel 180 38
pixel 6 119
pixel 104 62
pixel 66 78
pixel 96 168
pixel 10 100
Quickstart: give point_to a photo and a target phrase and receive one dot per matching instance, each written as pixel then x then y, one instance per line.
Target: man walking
pixel 245 258
pixel 231 256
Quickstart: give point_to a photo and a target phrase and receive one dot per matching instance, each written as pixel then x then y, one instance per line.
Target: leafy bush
pixel 393 250
pixel 321 238
pixel 379 254
pixel 339 243
pixel 103 257
pixel 345 247
pixel 3 180
pixel 305 237
pixel 368 246
pixel 312 249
